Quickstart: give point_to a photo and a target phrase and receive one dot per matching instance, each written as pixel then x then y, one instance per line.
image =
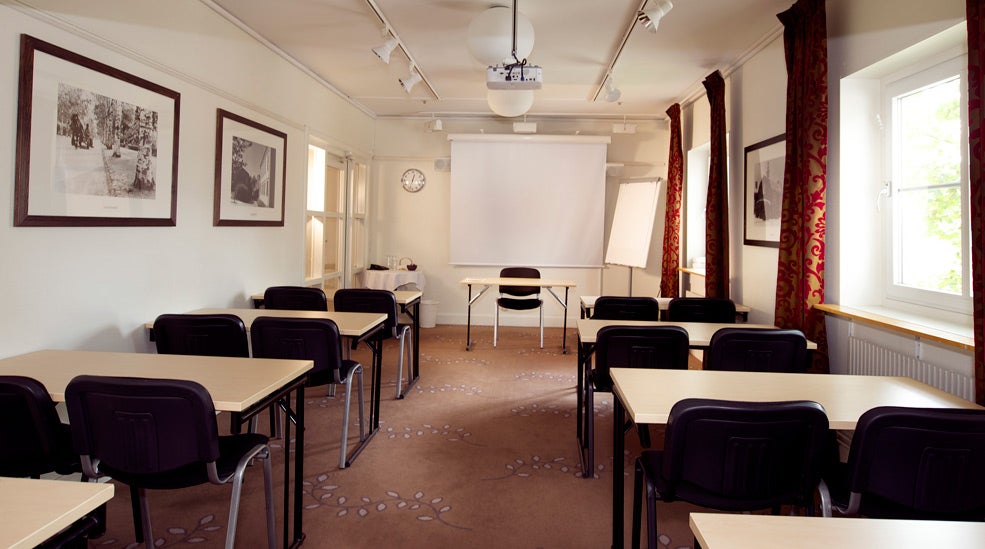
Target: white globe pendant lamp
pixel 490 37
pixel 510 103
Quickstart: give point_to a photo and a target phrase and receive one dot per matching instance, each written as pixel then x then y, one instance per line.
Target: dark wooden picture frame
pixel 764 165
pixel 96 146
pixel 250 172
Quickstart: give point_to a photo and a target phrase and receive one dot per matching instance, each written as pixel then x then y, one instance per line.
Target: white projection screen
pixel 527 200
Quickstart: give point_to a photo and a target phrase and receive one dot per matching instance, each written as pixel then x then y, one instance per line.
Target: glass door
pixel 335 221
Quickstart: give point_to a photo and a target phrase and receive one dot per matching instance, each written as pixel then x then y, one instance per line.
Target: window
pixel 927 252
pixel 902 196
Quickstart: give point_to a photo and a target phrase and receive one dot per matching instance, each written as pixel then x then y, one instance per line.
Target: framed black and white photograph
pixel 764 191
pixel 249 172
pixel 96 146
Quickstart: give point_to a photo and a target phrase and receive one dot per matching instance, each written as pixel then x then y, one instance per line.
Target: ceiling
pixel 575 43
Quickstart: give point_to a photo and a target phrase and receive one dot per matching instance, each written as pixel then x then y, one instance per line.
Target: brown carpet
pixel 482 453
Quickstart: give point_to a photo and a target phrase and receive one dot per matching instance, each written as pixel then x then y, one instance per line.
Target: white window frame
pixel 897 295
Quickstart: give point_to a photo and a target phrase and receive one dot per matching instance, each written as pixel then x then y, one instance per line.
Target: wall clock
pixel 413 180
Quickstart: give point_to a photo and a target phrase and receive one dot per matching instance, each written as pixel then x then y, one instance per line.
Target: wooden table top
pixel 698 333
pixel 588 301
pixel 510 281
pixel 32 510
pixel 648 395
pixel 234 383
pixel 740 531
pixel 350 324
pixel 403 297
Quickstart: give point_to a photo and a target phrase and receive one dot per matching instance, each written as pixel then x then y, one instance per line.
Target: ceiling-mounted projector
pixel 528 77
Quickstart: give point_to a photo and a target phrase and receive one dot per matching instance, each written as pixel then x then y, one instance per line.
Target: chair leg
pixel 590 431
pixel 145 519
pixel 637 504
pixel 345 423
pixel 263 453
pixel 137 509
pixel 268 487
pixel 496 327
pixel 651 514
pixel 400 363
pixel 541 325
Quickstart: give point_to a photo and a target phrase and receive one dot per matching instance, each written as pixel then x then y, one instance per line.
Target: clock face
pixel 412 180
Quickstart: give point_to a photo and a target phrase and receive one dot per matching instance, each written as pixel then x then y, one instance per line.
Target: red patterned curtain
pixel 800 269
pixel 716 207
pixel 976 53
pixel 669 275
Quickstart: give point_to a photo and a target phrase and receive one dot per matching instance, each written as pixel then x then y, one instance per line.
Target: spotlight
pixel 411 80
pixel 651 18
pixel 384 51
pixel 612 93
pixel 435 124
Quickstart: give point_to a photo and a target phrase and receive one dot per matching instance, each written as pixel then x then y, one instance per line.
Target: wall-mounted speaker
pixel 442 164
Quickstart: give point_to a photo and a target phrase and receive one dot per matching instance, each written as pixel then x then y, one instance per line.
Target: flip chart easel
pixel 632 225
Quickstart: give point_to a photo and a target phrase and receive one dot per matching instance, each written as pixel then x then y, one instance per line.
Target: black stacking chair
pixel 609 307
pixel 913 463
pixel 318 340
pixel 208 335
pixel 658 347
pixel 295 298
pixel 203 334
pixel 161 434
pixel 519 298
pixel 34 442
pixel 734 456
pixel 366 300
pixel 757 350
pixel 701 309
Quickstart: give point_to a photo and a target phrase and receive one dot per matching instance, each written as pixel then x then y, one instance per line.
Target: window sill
pixel 952 335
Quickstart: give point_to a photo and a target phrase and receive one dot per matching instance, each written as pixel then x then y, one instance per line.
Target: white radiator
pixel 867 358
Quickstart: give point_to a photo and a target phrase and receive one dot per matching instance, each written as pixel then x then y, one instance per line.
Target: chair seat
pixel 231 448
pixel 519 304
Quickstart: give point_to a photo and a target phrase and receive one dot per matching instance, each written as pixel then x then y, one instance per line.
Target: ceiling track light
pixel 631 24
pixel 612 93
pixel 411 80
pixel 650 18
pixel 384 50
pixel 435 124
pixel 420 77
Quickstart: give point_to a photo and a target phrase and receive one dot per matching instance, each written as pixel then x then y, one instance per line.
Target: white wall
pixel 94 288
pixel 758 94
pixel 416 225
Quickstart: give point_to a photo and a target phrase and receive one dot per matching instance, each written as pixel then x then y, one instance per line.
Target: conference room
pixel 508 469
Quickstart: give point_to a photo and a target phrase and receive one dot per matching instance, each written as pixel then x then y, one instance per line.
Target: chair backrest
pixel 33 440
pixel 701 309
pixel 138 427
pixel 367 300
pixel 519 272
pixel 658 347
pixel 921 463
pixel 608 307
pixel 733 455
pixel 295 298
pixel 315 339
pixel 757 350
pixel 209 335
